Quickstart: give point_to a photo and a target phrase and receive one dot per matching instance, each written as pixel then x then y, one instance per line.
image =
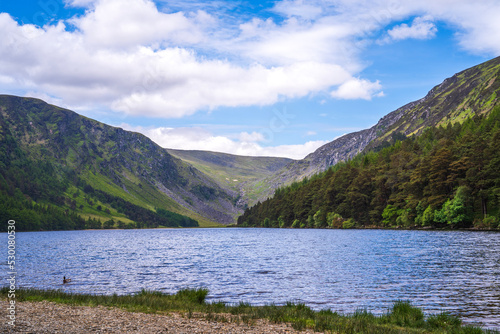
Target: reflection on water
pixel 344 270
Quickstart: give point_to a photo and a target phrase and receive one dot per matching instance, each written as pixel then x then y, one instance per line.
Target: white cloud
pixel 196 138
pixel 128 23
pixel 251 137
pixel 128 56
pixel 475 22
pixel 358 89
pixel 421 28
pixel 299 8
pixel 80 3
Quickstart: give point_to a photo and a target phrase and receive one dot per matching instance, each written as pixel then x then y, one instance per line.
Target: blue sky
pixel 275 78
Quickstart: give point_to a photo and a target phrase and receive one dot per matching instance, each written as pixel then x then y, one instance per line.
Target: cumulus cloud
pixel 251 137
pixel 358 89
pixel 246 144
pixel 475 22
pixel 421 28
pixel 131 57
pixel 125 24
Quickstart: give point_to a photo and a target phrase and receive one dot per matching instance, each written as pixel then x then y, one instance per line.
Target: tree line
pixel 448 177
pixel 142 216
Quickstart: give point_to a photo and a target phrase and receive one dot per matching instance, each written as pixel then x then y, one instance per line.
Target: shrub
pixel 193 295
pixel 349 223
pixel 443 321
pixel 490 222
pixel 334 220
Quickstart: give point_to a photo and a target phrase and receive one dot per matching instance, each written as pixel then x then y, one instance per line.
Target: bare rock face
pixel 341 149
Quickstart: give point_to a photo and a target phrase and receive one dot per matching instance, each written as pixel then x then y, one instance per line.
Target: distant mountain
pixel 236 174
pixel 474 91
pixel 99 166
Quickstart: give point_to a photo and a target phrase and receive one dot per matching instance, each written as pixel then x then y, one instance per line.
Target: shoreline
pixel 55 311
pixel 52 317
pixel 472 229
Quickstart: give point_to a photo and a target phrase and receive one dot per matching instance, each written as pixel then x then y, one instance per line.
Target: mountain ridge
pixel 119 162
pixel 475 90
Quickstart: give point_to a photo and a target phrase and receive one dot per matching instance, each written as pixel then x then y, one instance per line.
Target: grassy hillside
pixel 68 153
pixel 238 174
pixel 474 91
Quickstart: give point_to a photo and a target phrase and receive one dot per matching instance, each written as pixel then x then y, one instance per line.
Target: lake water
pixel 345 270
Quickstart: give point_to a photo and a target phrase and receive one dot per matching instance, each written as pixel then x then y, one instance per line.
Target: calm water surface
pixel 344 270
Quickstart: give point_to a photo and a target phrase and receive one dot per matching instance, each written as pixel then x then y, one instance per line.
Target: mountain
pixel 73 167
pixel 100 170
pixel 474 91
pixel 236 174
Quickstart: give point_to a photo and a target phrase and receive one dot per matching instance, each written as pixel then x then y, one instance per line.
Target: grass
pixel 145 196
pixel 401 318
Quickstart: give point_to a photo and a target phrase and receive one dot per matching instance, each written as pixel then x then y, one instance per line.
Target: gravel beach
pixel 48 317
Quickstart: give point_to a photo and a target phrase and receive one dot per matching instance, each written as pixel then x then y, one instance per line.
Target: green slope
pixel 471 93
pixel 126 165
pixel 237 174
pixel 474 91
pixel 449 177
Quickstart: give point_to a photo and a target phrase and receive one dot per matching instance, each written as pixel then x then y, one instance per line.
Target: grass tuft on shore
pixel 401 318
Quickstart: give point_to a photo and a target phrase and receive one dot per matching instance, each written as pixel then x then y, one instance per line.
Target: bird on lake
pixel 66 280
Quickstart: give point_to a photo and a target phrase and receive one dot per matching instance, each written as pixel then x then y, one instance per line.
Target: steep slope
pixel 240 174
pixel 471 92
pixel 117 162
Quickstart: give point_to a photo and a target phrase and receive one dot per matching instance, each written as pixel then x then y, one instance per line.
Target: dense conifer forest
pixel 448 177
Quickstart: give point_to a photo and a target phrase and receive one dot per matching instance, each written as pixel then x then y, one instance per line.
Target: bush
pixel 490 222
pixel 349 223
pixel 281 222
pixel 443 321
pixel 334 220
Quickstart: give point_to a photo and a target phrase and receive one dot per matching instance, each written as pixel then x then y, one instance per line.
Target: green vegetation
pixel 62 171
pixel 401 318
pixel 37 205
pixel 243 175
pixel 471 92
pixel 448 177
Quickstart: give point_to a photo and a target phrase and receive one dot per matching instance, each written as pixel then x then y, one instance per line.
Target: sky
pixel 258 78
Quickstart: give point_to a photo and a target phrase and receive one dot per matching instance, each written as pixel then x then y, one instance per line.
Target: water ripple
pixel 339 269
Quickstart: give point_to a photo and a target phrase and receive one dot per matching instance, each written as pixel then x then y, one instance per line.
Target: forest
pixel 447 177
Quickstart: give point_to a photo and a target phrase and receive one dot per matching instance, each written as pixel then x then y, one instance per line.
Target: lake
pixel 345 270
